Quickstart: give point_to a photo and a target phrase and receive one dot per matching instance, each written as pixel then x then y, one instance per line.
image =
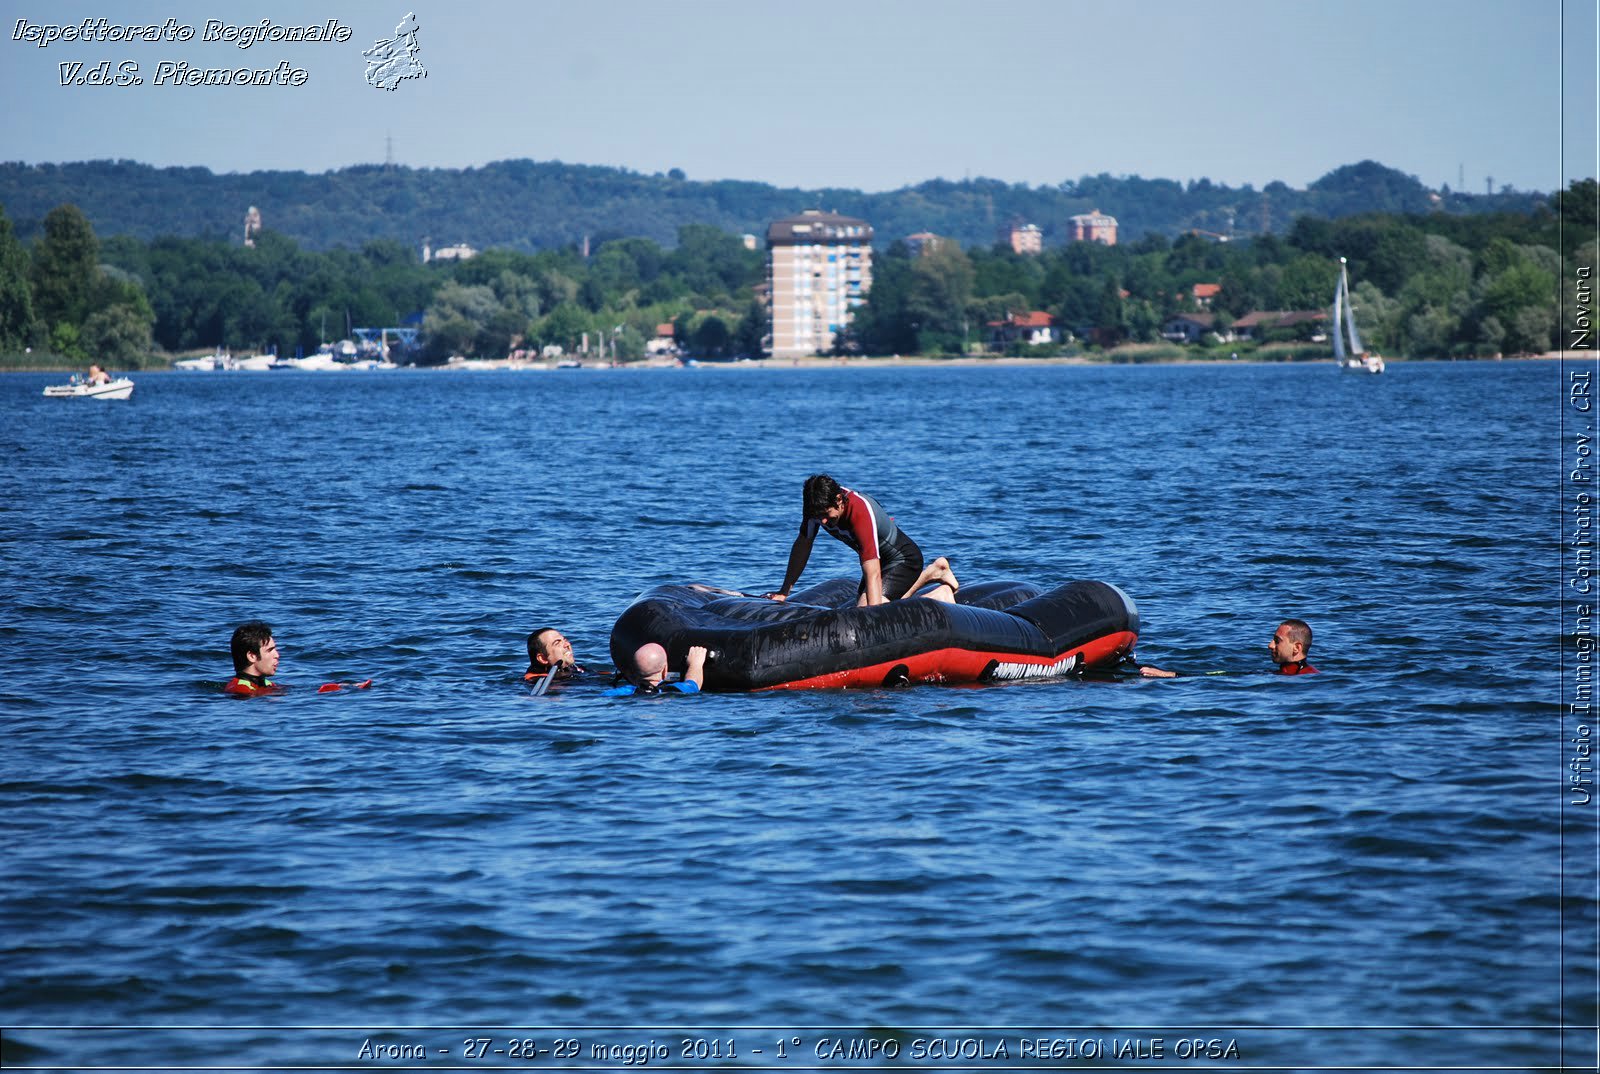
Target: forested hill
pixel 530 205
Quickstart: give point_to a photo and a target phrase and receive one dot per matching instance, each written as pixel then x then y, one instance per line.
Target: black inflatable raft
pixel 995 631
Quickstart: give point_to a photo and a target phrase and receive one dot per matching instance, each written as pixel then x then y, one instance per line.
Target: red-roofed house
pixel 665 341
pixel 1255 324
pixel 1204 293
pixel 1033 328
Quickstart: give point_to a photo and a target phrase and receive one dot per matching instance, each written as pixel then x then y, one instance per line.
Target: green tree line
pixel 115 301
pixel 1425 285
pixel 546 205
pixel 59 297
pixel 1429 284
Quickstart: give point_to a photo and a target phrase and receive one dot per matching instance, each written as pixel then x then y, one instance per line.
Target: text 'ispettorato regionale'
pixel 179 72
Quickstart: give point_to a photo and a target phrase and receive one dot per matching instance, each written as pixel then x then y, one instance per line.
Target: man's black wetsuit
pixel 866 527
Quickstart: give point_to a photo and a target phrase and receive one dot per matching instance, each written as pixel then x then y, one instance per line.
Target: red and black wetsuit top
pixel 866 527
pixel 251 686
pixel 1299 667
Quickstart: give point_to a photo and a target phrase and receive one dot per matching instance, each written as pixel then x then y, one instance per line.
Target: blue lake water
pixel 1362 867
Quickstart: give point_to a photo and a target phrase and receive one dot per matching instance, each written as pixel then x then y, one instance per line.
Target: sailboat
pixel 1358 360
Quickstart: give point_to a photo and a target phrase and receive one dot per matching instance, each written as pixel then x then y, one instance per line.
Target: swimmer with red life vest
pixel 550 660
pixel 891 562
pixel 255 662
pixel 1290 649
pixel 1290 646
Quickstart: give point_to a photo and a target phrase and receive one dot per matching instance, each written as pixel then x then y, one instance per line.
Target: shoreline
pixel 1079 360
pixel 490 365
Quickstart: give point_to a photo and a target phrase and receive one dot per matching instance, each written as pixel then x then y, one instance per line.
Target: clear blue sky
pixel 875 94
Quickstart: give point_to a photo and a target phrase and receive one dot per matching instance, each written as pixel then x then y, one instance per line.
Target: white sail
pixel 1350 317
pixel 1338 311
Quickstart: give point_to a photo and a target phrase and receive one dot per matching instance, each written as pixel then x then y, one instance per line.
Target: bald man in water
pixel 649 671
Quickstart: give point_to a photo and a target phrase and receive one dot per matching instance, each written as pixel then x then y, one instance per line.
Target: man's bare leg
pixel 941 577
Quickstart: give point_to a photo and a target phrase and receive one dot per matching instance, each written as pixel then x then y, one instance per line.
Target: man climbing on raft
pixel 891 562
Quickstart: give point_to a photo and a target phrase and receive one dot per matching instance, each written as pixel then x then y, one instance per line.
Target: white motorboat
pixel 1359 359
pixel 121 388
pixel 321 362
pixel 223 362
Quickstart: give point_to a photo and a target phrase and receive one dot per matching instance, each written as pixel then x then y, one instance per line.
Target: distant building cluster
pixel 1192 327
pixel 819 269
pixel 1252 325
pixel 1028 239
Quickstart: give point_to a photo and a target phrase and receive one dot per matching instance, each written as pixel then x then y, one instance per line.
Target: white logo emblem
pixel 391 62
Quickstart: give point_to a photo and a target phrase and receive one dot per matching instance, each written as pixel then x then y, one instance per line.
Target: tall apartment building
pixel 819 269
pixel 1094 227
pixel 1024 238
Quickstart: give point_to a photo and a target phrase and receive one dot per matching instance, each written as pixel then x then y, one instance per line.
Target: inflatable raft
pixel 996 631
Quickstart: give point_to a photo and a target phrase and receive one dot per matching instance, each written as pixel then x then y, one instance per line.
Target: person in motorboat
pixel 97 376
pixel 891 562
pixel 648 673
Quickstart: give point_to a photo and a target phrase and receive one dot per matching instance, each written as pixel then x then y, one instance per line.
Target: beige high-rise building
pixel 1023 238
pixel 819 268
pixel 1094 227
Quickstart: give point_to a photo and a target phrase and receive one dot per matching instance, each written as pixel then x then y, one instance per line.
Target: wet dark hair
pixel 1300 631
pixel 537 647
pixel 820 493
pixel 246 640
